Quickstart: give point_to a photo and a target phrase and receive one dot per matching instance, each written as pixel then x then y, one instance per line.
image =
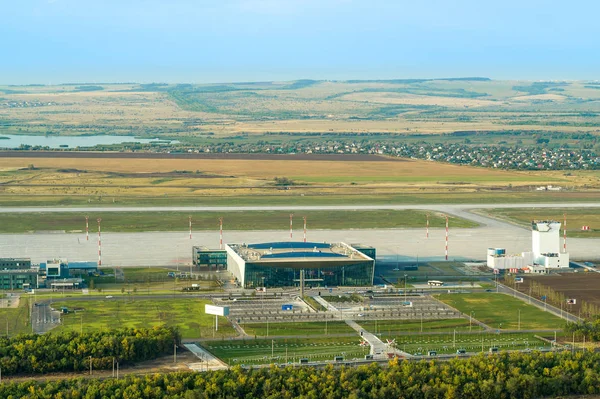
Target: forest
pixel 70 351
pixel 506 375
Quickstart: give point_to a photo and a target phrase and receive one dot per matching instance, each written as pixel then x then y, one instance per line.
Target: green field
pixel 500 311
pixel 253 352
pixel 395 327
pixel 575 218
pixel 251 220
pixel 188 315
pixel 14 321
pixel 450 342
pixel 482 197
pixel 297 328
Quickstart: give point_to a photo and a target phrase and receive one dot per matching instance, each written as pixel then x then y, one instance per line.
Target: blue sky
pixel 55 41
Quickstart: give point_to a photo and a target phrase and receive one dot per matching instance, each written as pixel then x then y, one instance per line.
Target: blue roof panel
pixel 290 245
pixel 303 255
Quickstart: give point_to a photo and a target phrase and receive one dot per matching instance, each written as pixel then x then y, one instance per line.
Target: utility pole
pixel 90 365
pixel 519 320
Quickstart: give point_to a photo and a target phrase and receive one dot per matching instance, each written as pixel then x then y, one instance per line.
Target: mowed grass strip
pixel 576 218
pixel 258 351
pixel 15 320
pixel 501 311
pixel 337 197
pixel 393 327
pixel 298 328
pixel 251 220
pixel 449 342
pixel 186 313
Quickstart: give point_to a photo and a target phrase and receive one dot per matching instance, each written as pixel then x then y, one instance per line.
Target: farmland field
pixel 186 111
pixel 124 180
pixel 248 220
pixel 575 218
pixel 188 315
pixel 582 286
pixel 500 311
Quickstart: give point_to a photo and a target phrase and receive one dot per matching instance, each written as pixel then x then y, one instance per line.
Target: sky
pixel 202 41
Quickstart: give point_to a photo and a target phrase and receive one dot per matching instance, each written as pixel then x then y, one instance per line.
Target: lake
pixel 15 141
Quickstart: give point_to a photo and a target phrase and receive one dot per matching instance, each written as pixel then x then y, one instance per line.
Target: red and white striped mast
pixel 565 233
pixel 87 228
pixel 446 237
pixel 99 244
pixel 304 217
pixel 291 217
pixel 427 227
pixel 220 233
pixel 190 220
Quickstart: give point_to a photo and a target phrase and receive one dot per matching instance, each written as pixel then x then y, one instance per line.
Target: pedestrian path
pixel 207 360
pixel 379 349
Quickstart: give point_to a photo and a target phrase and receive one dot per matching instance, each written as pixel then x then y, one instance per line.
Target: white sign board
pixel 216 310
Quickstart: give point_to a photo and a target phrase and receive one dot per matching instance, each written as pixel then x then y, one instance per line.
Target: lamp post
pixel 405 275
pixel 470 320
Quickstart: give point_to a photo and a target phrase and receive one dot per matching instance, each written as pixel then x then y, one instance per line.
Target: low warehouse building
pixel 279 264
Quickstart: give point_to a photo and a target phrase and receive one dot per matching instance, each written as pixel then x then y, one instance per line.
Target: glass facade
pixel 15 279
pixel 317 275
pixel 13 263
pixel 211 258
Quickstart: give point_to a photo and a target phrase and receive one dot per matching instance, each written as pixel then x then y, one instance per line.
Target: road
pixel 175 248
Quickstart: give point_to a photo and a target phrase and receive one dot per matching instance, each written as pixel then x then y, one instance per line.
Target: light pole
pixel 470 320
pixel 405 275
pixel 519 328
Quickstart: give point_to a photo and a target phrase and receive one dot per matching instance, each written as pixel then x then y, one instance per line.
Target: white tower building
pixel 545 239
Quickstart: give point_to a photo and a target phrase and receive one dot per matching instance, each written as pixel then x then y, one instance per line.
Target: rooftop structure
pixel 279 264
pixel 545 250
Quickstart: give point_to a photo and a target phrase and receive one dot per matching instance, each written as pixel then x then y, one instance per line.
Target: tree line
pixel 506 375
pixel 71 351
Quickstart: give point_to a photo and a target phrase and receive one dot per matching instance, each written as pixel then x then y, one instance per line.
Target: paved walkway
pixel 323 302
pixel 379 350
pixel 207 360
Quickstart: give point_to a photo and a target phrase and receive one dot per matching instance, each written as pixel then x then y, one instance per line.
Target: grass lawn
pixel 393 327
pixel 187 314
pixel 298 328
pixel 293 198
pixel 446 343
pixel 575 218
pixel 502 311
pixel 250 352
pixel 14 321
pixel 255 220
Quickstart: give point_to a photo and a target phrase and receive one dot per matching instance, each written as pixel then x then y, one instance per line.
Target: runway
pixel 174 248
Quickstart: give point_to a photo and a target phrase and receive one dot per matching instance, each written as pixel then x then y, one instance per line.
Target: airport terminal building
pixel 279 264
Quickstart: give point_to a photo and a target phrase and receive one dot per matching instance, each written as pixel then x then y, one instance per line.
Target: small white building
pixel 545 251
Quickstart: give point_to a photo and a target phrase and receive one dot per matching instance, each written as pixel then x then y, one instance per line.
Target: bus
pixel 435 283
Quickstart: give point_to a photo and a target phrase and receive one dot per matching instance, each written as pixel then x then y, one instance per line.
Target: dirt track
pixel 153 155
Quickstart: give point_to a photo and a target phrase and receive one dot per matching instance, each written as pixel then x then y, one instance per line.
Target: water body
pixel 15 141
